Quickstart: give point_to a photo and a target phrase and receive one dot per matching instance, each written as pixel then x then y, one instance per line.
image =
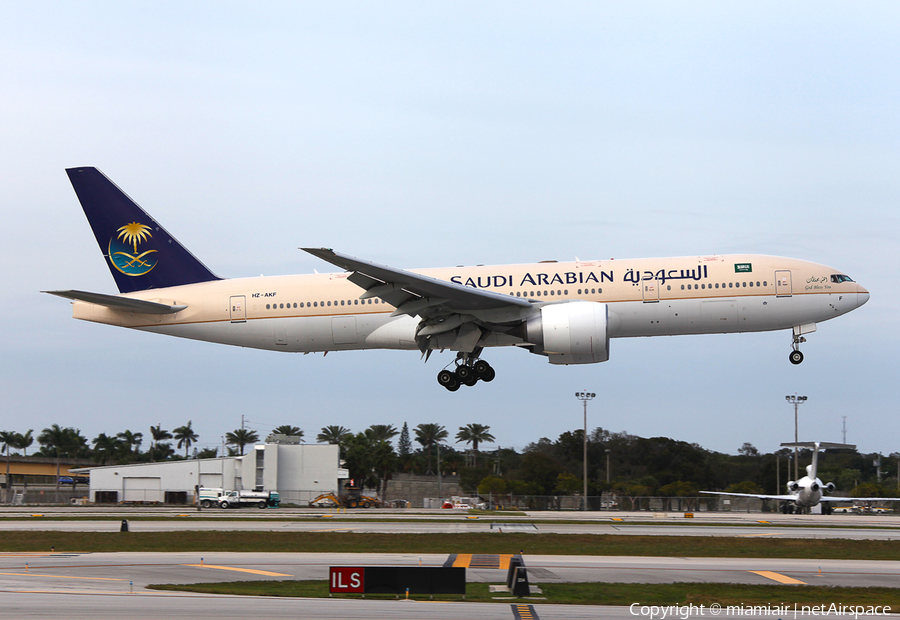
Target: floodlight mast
pixel 796 401
pixel 585 397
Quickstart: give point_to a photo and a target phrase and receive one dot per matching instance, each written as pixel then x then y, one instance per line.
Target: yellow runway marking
pixel 30 574
pixel 241 570
pixel 777 577
pixel 464 560
pixel 756 535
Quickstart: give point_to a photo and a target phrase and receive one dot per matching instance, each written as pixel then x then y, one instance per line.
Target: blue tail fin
pixel 140 253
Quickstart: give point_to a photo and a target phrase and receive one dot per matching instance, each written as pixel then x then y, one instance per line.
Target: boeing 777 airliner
pixel 566 312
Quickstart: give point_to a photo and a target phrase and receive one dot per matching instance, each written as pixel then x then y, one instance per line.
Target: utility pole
pixel 585 397
pixel 796 401
pixel 845 428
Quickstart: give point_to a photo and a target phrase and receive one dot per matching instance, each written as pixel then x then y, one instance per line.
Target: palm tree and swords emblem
pixel 130 237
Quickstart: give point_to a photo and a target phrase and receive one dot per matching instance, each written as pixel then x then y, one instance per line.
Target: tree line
pixel 625 464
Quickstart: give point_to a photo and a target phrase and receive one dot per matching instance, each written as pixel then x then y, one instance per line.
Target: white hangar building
pixel 298 472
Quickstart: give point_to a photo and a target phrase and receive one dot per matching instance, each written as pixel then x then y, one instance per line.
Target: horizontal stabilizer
pixel 123 304
pixel 823 445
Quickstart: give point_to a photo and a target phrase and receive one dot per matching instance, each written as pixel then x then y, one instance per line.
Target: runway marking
pixel 757 535
pixel 778 577
pixel 469 560
pixel 240 570
pixel 30 574
pixel 524 612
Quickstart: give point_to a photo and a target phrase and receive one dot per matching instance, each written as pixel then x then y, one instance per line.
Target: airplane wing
pixel 779 497
pixel 398 287
pixel 115 302
pixel 832 498
pixel 442 306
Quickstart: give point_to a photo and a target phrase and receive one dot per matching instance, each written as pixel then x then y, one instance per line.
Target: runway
pixel 780 529
pixel 113 585
pixel 89 586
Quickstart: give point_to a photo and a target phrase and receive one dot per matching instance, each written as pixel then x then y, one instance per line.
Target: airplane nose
pixel 862 295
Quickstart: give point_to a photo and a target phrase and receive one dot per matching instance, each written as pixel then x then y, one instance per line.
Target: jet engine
pixel 829 488
pixel 573 332
pixel 793 487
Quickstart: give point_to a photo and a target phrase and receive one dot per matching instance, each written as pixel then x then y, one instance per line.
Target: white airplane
pixel 809 491
pixel 566 312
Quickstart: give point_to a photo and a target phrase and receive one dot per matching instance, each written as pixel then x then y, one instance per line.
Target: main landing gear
pixel 796 356
pixel 468 372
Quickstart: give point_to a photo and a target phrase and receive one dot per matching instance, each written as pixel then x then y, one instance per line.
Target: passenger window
pixel 267 306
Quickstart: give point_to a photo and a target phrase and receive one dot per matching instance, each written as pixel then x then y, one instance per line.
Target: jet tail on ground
pixel 812 470
pixel 140 253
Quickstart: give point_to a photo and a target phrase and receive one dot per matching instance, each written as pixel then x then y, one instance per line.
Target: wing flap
pixel 122 304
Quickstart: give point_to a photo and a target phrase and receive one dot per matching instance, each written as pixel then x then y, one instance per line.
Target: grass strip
pixel 623 594
pixel 483 543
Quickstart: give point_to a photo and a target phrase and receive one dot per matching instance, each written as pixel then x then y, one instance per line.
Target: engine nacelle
pixel 793 487
pixel 829 488
pixel 573 332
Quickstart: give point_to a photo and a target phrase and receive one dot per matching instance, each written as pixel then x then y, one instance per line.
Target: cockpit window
pixel 838 278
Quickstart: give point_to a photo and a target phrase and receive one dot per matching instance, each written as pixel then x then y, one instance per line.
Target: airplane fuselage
pixel 645 297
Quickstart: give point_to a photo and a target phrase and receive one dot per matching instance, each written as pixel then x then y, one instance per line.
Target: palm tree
pixel 8 439
pixel 105 446
pixel 159 434
pixel 132 441
pixel 287 429
pixel 333 434
pixel 185 436
pixel 474 434
pixel 24 441
pixel 384 463
pixel 56 439
pixel 430 435
pixel 240 437
pixel 382 432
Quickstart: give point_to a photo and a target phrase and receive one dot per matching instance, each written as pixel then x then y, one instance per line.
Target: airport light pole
pixel 585 397
pixel 796 401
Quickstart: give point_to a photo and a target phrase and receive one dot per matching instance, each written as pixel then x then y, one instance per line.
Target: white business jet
pixel 809 491
pixel 566 312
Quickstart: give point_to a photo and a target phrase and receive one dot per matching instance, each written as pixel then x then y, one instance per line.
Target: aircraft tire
pixel 481 368
pixel 464 373
pixel 489 375
pixel 448 379
pixel 796 357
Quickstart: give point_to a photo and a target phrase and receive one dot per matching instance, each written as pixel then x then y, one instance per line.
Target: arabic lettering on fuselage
pixel 635 277
pixel 579 277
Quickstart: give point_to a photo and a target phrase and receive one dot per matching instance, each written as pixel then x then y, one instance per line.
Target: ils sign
pixel 347 579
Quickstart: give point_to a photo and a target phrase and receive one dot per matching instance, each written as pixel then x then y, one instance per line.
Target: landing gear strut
pixel 796 356
pixel 469 371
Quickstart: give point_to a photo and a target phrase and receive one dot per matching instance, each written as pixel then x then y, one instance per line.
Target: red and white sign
pixel 347 579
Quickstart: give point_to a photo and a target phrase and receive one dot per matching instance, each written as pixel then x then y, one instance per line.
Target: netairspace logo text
pixel 836 610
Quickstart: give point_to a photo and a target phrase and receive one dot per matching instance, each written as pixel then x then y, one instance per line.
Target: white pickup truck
pixel 237 499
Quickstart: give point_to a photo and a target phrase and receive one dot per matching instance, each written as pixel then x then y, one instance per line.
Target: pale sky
pixel 437 134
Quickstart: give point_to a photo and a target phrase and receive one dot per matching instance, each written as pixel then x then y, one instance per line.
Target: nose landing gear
pixel 468 372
